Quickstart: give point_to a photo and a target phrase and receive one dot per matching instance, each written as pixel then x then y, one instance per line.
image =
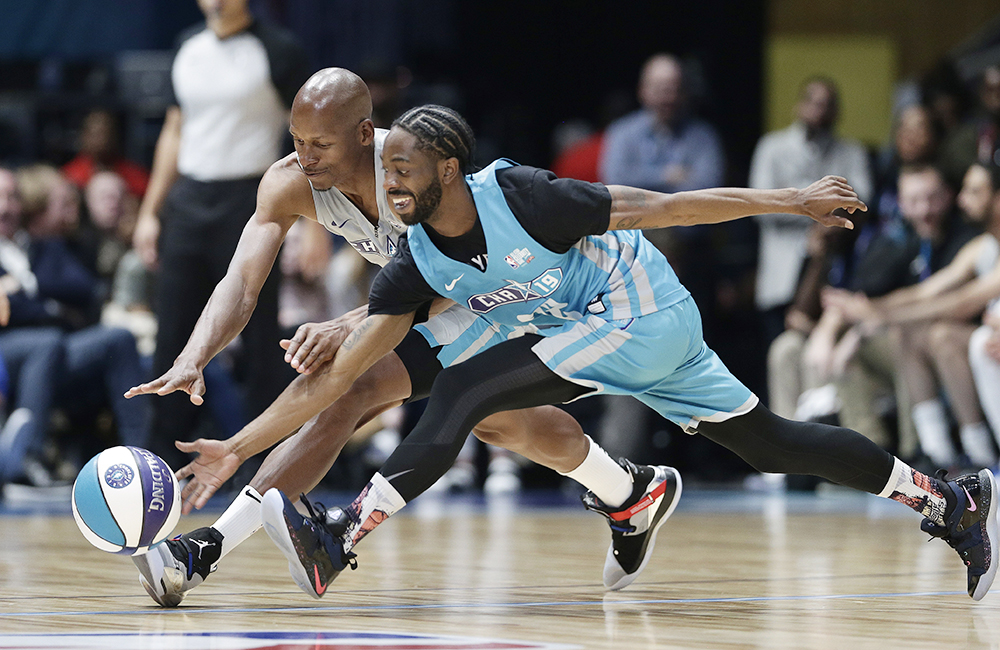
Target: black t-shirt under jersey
pixel 555 212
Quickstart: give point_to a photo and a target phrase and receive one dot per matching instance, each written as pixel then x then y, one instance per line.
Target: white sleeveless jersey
pixel 377 244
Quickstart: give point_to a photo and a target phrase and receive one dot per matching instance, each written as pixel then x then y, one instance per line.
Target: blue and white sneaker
pixel 634 524
pixel 971 527
pixel 176 566
pixel 312 544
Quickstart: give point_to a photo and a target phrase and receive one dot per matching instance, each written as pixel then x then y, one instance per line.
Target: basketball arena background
pixel 521 72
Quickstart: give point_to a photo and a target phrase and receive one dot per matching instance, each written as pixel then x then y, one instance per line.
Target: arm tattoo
pixel 628 223
pixel 627 199
pixel 353 337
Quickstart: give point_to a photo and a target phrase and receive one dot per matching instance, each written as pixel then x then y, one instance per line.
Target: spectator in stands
pixel 32 356
pixel 931 320
pixel 100 150
pixel 101 363
pixel 943 91
pixel 915 141
pixel 797 155
pixel 831 258
pixel 662 146
pixel 111 212
pixel 978 140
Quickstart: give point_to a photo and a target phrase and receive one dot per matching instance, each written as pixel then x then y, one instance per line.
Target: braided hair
pixel 440 130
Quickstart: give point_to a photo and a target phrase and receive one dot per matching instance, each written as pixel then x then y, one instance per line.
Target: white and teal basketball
pixel 125 500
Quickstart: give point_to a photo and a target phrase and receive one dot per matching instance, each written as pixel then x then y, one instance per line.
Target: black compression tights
pixel 505 377
pixel 773 444
pixel 510 376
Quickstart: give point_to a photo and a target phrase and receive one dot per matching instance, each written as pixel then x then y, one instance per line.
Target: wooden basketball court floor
pixel 731 569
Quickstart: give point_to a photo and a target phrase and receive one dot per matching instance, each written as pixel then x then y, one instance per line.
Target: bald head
pixel 339 94
pixel 332 129
pixel 661 87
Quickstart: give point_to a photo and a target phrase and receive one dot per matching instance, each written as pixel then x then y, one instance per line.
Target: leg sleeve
pixel 773 444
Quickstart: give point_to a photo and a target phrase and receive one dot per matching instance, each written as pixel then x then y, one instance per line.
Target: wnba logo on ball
pixel 118 476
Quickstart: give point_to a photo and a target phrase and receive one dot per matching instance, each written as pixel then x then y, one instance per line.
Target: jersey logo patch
pixel 536 289
pixel 518 258
pixel 367 246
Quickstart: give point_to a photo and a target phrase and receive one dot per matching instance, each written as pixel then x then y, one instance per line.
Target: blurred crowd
pixel 891 328
pixel 888 328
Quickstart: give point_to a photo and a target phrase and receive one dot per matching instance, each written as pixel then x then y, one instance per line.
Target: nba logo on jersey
pixel 518 258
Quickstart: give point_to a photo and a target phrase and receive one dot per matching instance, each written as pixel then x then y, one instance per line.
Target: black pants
pixel 510 376
pixel 202 223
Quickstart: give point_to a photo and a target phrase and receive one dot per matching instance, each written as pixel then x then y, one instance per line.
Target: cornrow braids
pixel 441 130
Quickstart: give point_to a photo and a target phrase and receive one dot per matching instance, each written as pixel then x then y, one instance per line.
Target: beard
pixel 424 204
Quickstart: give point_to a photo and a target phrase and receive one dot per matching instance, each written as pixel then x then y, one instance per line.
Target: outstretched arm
pixel 304 398
pixel 234 298
pixel 632 208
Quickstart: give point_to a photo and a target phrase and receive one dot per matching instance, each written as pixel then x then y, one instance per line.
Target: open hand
pixel 185 377
pixel 215 464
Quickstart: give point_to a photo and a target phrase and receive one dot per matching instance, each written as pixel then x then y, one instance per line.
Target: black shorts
pixel 421 363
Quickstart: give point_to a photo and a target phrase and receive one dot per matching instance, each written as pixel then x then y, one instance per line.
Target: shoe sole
pixel 272 514
pixel 629 578
pixel 172 595
pixel 986 580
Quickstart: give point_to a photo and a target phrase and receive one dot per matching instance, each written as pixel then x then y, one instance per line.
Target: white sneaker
pixel 634 524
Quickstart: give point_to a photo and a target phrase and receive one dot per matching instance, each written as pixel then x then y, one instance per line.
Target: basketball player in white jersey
pixel 335 177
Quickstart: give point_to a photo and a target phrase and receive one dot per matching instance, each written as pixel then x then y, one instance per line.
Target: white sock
pixel 240 520
pixel 604 477
pixel 376 503
pixel 931 423
pixel 977 441
pixel 916 490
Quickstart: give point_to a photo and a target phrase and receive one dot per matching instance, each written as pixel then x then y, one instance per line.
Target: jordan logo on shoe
pixel 972 503
pixel 201 545
pixel 320 587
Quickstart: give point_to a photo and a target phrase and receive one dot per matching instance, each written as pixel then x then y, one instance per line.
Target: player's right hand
pixel 181 377
pixel 215 464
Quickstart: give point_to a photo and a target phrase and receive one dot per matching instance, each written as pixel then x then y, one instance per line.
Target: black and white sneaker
pixel 176 566
pixel 635 523
pixel 312 545
pixel 971 526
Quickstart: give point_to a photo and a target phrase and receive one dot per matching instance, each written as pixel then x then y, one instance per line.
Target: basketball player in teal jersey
pixel 611 317
pixel 335 177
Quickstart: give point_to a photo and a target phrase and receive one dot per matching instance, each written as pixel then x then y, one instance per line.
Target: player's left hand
pixel 215 464
pixel 830 193
pixel 314 344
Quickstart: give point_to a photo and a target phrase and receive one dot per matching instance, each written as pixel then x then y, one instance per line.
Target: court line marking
pixel 361 609
pixel 515 588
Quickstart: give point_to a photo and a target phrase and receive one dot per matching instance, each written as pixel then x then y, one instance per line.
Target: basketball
pixel 125 500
